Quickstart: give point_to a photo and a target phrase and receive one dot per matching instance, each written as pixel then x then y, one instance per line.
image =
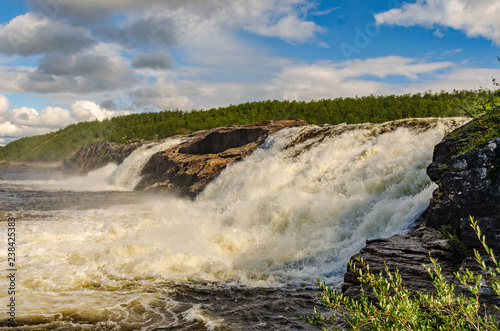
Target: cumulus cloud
pixel 173 22
pixel 320 80
pixel 26 121
pixel 85 110
pixel 98 69
pixel 31 34
pixel 156 60
pixel 108 104
pixel 4 106
pixel 166 93
pixel 76 65
pixel 91 10
pixel 475 18
pixel 8 129
pixel 289 28
pixel 153 28
pixel 50 117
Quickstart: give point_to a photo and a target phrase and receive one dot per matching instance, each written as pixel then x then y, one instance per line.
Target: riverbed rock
pixel 468 185
pixel 188 167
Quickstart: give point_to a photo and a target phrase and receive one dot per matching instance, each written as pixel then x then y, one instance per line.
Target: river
pixel 92 254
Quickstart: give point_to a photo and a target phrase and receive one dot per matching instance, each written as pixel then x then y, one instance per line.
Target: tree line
pixel 55 146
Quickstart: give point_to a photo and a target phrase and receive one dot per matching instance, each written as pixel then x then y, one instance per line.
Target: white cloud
pixel 84 110
pixel 172 22
pixel 459 78
pixel 438 33
pixel 475 18
pixel 289 28
pixel 31 34
pixel 50 117
pixel 320 80
pixel 8 129
pixel 26 121
pixel 4 106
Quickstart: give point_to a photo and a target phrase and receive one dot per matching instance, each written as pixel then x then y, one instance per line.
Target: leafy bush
pixel 396 308
pixel 454 244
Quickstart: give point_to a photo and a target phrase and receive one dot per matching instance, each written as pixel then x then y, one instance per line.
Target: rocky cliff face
pixel 97 155
pixel 187 168
pixel 469 185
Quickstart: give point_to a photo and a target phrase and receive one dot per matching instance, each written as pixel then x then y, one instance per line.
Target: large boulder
pixel 469 185
pixel 188 167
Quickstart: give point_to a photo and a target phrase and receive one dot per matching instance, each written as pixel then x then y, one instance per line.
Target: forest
pixel 56 146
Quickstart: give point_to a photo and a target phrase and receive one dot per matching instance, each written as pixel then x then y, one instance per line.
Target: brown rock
pixel 188 167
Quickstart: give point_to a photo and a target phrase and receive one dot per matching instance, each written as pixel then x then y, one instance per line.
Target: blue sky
pixel 65 61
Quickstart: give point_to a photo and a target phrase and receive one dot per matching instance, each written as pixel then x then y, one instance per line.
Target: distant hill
pixel 58 145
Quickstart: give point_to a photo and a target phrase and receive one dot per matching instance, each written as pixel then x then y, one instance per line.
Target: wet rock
pixel 408 253
pixel 188 167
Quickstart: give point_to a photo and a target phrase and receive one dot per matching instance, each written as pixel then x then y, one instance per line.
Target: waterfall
pixel 296 209
pixel 128 174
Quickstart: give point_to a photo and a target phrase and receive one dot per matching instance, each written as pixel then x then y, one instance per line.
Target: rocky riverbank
pixel 468 185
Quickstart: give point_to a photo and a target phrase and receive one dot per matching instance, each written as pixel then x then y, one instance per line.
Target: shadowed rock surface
pixel 96 156
pixel 468 185
pixel 408 253
pixel 188 167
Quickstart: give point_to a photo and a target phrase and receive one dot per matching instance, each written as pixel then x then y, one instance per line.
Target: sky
pixel 66 61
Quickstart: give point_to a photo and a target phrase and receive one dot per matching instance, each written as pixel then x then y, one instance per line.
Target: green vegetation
pixel 396 308
pixel 57 145
pixel 444 167
pixel 482 131
pixel 454 244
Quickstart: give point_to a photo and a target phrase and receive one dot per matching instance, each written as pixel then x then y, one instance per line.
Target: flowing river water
pixel 92 254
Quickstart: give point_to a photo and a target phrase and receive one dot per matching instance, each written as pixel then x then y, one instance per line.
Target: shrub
pixel 396 308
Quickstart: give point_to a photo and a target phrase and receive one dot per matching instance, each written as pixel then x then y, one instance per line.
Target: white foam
pixel 129 173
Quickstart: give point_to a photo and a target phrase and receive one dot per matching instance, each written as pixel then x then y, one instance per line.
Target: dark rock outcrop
pixel 188 167
pixel 97 155
pixel 407 252
pixel 468 185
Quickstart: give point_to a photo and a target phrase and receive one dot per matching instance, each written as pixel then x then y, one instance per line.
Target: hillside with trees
pixel 55 146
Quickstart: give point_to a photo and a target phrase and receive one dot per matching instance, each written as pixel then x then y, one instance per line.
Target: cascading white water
pixel 128 174
pixel 289 213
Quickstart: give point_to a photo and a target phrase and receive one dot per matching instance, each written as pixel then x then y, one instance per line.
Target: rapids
pixel 93 254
